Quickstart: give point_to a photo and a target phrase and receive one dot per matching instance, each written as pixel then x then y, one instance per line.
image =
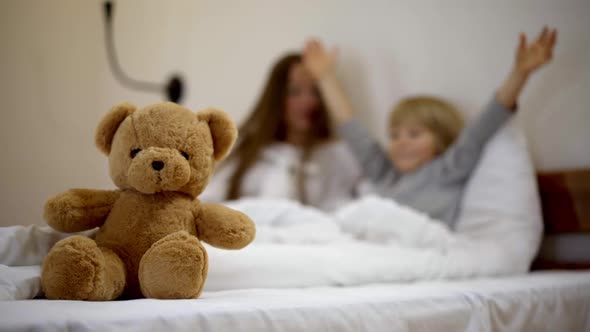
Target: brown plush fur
pixel 148 243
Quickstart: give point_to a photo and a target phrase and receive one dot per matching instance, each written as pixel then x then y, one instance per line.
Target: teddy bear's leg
pixel 77 269
pixel 175 267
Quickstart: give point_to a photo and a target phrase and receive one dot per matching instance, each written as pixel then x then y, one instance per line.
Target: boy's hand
pixel 531 57
pixel 317 59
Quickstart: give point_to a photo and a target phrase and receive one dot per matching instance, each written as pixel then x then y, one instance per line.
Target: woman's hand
pixel 317 59
pixel 320 63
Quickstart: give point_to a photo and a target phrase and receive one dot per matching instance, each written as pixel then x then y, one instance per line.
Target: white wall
pixel 56 83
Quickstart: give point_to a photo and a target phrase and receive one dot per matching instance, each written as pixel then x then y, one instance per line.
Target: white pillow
pixel 501 199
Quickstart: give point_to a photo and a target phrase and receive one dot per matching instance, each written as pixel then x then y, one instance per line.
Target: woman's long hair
pixel 266 125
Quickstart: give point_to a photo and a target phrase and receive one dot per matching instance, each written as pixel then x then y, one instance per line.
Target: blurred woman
pixel 287 147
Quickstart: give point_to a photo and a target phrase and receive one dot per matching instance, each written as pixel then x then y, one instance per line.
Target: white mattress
pixel 548 301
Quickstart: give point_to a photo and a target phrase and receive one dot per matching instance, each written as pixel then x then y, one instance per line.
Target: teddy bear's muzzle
pixel 158 169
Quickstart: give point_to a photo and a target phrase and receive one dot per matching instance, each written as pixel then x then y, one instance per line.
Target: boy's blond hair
pixel 439 116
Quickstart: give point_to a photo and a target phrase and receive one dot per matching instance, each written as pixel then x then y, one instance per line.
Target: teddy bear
pixel 148 243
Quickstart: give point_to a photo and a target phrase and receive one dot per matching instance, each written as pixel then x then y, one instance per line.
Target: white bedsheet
pixel 548 301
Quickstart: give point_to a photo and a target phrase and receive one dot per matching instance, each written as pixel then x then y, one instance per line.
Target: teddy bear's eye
pixel 185 155
pixel 134 153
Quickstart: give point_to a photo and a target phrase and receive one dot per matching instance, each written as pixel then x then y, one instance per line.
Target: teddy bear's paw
pixel 175 267
pixel 77 269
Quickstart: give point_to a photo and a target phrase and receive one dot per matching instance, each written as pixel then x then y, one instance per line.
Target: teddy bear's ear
pixel 108 126
pixel 223 131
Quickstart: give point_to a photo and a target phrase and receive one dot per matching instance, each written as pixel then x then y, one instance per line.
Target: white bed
pixel 548 301
pixel 343 284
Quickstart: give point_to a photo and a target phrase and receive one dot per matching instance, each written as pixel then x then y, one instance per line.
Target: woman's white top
pixel 331 176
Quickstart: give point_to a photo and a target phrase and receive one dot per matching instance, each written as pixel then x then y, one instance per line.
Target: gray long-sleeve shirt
pixel 437 187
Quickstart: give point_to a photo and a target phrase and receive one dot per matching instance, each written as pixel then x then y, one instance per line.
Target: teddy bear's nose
pixel 157 165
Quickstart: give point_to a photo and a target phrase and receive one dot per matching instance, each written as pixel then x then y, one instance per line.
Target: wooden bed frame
pixel 565 201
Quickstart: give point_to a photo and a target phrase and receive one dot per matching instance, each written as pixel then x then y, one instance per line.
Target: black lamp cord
pixel 173 88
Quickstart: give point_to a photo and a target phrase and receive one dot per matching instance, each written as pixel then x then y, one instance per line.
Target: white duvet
pixel 369 241
pixel 372 240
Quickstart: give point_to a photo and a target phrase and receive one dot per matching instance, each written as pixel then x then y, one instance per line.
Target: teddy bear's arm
pixel 78 210
pixel 223 227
